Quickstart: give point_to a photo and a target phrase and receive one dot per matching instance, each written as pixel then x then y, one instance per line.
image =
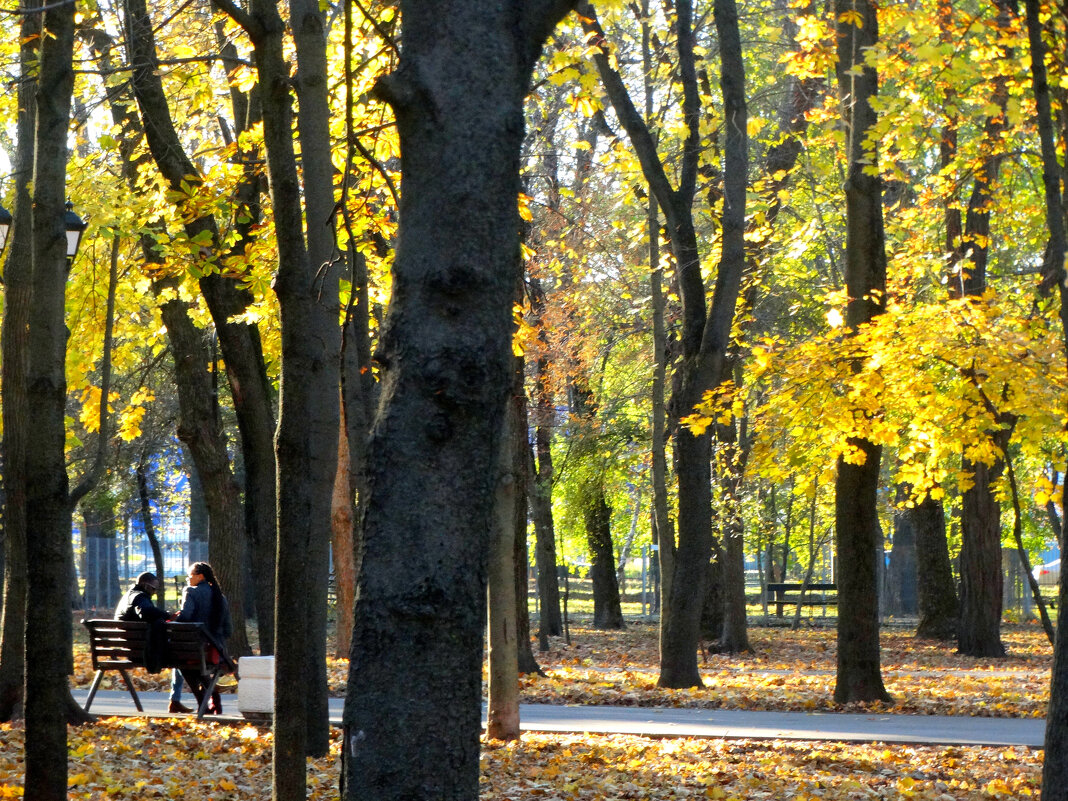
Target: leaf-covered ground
pixel 787 671
pixel 795 671
pixel 181 758
pixel 138 759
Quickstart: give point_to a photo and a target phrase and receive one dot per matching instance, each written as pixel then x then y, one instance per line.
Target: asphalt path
pixel 716 723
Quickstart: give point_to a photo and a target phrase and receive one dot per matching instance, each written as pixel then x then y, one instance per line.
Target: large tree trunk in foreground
pixel 859 537
pixel 447 362
pixel 48 511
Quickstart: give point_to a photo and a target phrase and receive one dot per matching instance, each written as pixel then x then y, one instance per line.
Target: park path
pixel 726 723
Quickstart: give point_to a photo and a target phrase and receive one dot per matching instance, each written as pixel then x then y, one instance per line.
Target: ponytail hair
pixel 218 603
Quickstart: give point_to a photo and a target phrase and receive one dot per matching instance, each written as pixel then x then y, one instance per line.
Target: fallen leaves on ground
pixel 133 759
pixel 136 758
pixel 787 671
pixel 624 767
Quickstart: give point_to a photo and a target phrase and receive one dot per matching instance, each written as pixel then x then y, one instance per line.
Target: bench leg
pixel 93 688
pixel 130 687
pixel 209 688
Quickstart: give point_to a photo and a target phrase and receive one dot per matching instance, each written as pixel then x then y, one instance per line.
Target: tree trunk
pixel 145 505
pixel 502 721
pixel 936 593
pixel 447 363
pixel 48 512
pixel 14 340
pixel 902 570
pixel 342 521
pixel 520 519
pixel 550 622
pixel 859 677
pixel 1055 764
pixel 199 525
pixel 979 633
pixel 607 612
pixel 735 636
pixel 859 537
pixel 101 575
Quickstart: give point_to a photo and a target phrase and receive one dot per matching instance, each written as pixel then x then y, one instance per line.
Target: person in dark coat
pixel 137 604
pixel 203 602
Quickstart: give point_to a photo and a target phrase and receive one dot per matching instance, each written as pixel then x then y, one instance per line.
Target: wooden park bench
pixel 120 645
pixel 812 595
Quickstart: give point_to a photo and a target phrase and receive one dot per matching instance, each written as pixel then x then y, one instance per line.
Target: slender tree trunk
pixel 859 537
pixel 240 344
pixel 306 442
pixel 48 511
pixel 358 402
pixel 703 338
pixel 550 622
pixel 14 339
pixel 342 520
pixel 521 560
pixel 607 612
pixel 735 635
pixel 145 506
pixel 446 355
pixel 502 721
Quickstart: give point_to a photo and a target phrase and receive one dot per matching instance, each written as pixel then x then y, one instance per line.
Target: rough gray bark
pixel 1055 764
pixel 979 630
pixel 18 274
pixel 521 559
pixel 859 536
pixel 48 511
pixel 936 592
pixel 446 357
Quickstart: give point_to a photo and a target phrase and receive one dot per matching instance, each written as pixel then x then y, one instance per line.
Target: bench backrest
pixel 116 644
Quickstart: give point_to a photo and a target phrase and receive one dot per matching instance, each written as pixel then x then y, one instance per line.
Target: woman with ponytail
pixel 203 602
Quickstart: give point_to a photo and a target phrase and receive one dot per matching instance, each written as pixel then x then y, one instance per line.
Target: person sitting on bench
pixel 203 602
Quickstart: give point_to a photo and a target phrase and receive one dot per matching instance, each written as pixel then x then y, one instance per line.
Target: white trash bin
pixel 255 690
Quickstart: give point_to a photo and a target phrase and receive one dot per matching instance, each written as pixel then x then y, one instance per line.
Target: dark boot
pixel 216 704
